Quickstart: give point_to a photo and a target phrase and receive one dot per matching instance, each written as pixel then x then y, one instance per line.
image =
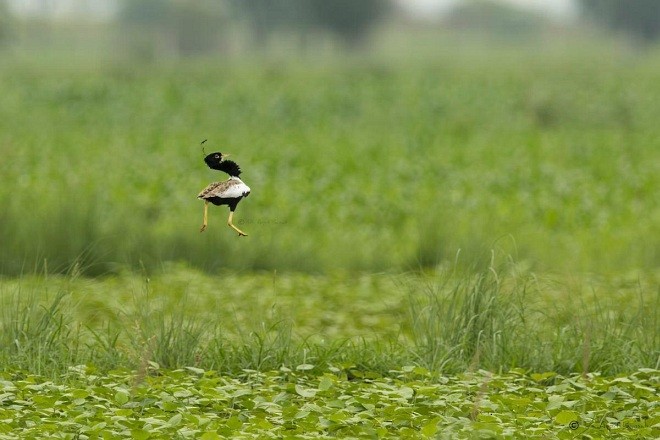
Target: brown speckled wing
pixel 217 189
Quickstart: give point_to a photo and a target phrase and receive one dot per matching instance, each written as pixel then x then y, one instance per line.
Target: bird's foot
pixel 203 228
pixel 240 233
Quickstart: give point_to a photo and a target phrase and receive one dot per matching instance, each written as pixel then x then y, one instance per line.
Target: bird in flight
pixel 229 192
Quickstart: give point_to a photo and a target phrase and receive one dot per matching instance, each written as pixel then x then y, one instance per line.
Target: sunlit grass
pixel 501 320
pixel 449 322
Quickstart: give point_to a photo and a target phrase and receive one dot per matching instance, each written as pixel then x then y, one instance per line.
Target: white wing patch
pixel 238 189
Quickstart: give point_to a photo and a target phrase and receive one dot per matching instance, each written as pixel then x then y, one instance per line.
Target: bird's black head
pixel 213 160
pixel 216 161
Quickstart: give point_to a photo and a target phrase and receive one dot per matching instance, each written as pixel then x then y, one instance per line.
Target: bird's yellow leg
pixel 229 222
pixel 206 216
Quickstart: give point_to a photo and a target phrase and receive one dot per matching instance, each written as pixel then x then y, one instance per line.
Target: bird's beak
pixel 226 155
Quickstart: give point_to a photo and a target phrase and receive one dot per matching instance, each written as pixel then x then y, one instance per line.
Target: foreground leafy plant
pixel 193 403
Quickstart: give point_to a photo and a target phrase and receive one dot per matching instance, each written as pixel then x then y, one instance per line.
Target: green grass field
pixel 455 248
pixel 364 167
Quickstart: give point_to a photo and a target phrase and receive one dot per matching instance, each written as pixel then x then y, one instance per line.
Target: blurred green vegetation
pixel 353 164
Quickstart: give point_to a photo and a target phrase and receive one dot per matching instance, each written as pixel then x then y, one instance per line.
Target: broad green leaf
pixel 234 423
pixel 566 417
pixel 305 392
pixel 431 427
pixel 174 420
pixel 183 393
pixel 406 392
pixel 325 383
pixel 123 412
pixel 622 380
pixel 140 434
pixel 44 401
pixel 169 406
pixel 80 394
pixel 121 397
pixel 538 377
pixel 195 370
pixel 301 414
pixel 241 393
pixel 338 416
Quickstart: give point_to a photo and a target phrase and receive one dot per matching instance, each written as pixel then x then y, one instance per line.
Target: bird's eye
pixel 217 156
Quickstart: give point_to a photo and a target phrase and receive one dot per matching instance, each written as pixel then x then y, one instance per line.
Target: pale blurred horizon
pixel 560 10
pixel 417 9
pixel 151 30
